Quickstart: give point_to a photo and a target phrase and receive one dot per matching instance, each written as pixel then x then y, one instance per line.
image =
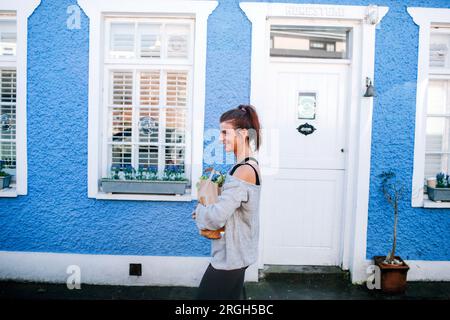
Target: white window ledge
pixel 427 203
pixel 10 192
pixel 145 197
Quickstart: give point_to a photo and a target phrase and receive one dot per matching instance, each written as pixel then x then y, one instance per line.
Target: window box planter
pixel 438 194
pixel 143 186
pixel 5 181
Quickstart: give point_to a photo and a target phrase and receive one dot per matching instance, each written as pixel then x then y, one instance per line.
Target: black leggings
pixel 221 284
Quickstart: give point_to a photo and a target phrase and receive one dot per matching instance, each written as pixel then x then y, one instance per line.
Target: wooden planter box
pixel 5 181
pixel 438 194
pixel 393 277
pixel 143 186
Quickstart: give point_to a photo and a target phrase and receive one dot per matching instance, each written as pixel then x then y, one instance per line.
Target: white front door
pixel 303 217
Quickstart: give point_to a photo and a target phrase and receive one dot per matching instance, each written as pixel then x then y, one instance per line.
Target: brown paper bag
pixel 208 193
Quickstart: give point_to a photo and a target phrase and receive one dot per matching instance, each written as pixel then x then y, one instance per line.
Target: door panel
pixel 304 210
pixel 322 148
pixel 304 218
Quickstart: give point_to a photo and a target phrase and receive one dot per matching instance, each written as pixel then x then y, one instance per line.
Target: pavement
pixel 271 287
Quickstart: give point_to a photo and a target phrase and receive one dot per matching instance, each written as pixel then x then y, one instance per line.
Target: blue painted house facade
pixel 93 87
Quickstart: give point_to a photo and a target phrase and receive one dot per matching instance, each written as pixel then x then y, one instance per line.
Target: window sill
pixel 427 203
pixel 145 197
pixel 10 192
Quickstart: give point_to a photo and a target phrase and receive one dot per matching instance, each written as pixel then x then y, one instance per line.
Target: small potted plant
pixel 441 191
pixel 392 268
pixel 145 180
pixel 5 178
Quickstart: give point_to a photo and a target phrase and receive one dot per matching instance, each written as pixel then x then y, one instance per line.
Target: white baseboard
pixel 156 270
pixel 419 270
pixel 107 269
pixel 428 270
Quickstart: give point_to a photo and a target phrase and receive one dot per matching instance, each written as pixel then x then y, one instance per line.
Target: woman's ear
pixel 242 132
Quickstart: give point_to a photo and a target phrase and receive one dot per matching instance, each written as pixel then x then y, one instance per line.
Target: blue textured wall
pixel 57 216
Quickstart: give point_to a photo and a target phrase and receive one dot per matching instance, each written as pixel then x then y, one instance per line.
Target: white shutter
pixel 149 118
pixel 8 117
pixel 177 40
pixel 121 118
pixel 149 110
pixel 122 40
pixel 175 113
pixel 121 109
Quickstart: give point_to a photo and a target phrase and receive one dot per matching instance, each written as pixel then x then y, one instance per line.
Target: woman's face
pixel 230 137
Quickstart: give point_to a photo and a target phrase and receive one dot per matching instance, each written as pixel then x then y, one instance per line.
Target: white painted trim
pixel 358 172
pixel 95 10
pixel 419 270
pixel 434 204
pixel 23 9
pixel 9 192
pixel 106 269
pixel 148 197
pixel 423 17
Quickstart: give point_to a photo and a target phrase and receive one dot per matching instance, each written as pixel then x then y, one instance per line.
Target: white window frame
pixel 424 18
pixel 22 9
pixel 96 10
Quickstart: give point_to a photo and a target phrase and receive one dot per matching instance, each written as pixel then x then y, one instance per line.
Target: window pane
pixel 149 90
pixel 148 156
pixel 121 155
pixel 122 88
pixel 175 125
pixel 174 156
pixel 434 163
pixel 150 40
pixel 437 97
pixel 148 125
pixel 8 38
pixel 122 121
pixel 309 42
pixel 122 40
pixel 8 117
pixel 439 49
pixel 176 89
pixel 435 135
pixel 177 40
pixel 8 154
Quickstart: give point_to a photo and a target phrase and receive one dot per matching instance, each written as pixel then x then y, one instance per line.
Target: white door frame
pixel 357 176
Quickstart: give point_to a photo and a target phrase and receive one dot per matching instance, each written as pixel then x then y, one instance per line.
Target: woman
pixel 237 209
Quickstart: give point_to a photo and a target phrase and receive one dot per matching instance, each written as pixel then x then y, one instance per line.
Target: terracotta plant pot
pixel 393 277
